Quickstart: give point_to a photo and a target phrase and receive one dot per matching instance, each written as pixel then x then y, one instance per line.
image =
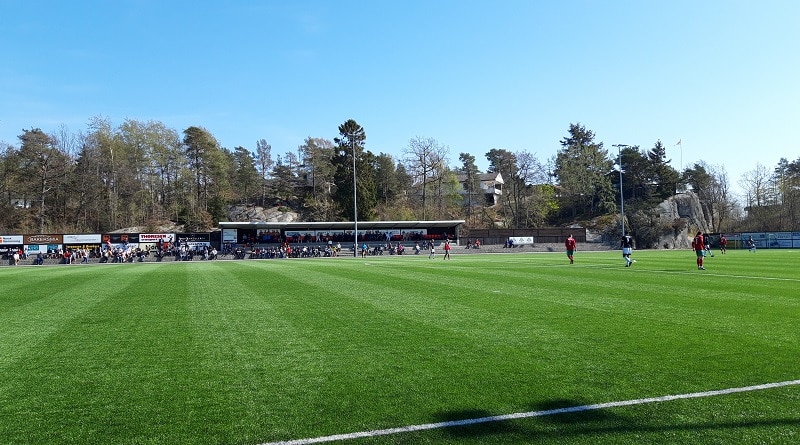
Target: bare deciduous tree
pixel 426 162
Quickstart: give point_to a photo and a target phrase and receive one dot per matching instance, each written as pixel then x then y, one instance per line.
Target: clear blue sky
pixel 721 76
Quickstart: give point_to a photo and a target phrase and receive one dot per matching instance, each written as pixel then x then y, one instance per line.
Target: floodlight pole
pixel 355 201
pixel 621 198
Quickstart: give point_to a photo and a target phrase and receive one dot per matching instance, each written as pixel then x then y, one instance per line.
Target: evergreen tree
pixel 351 142
pixel 663 176
pixel 386 178
pixel 41 167
pixel 208 166
pixel 244 176
pixel 471 183
pixel 582 169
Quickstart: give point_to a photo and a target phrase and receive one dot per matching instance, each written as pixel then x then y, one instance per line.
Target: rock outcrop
pixel 684 213
pixel 241 213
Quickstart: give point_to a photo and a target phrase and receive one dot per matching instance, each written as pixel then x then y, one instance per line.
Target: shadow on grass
pixel 492 427
pixel 589 422
pixel 477 429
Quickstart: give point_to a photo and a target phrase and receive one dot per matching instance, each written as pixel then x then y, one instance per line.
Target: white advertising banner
pixel 519 240
pixel 229 235
pixel 155 237
pixel 10 239
pixel 83 239
pixel 197 245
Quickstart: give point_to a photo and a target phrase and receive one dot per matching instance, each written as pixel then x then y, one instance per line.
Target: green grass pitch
pixel 254 352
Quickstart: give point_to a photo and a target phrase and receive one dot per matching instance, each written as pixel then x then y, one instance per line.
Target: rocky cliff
pixel 241 213
pixel 684 214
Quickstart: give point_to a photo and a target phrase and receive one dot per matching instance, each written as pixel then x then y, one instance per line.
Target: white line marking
pixel 708 273
pixel 549 412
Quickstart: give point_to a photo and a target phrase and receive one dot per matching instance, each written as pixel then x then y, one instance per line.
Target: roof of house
pixel 496 177
pixel 340 225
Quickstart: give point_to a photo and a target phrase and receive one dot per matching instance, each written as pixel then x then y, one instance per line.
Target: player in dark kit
pixel 751 245
pixel 707 241
pixel 627 249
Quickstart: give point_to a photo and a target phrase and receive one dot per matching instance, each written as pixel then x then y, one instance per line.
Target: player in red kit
pixel 571 245
pixel 699 249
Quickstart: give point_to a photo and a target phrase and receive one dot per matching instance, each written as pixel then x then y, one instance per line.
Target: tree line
pixel 144 173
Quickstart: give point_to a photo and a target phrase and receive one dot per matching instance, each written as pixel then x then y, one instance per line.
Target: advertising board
pixel 43 239
pixel 83 239
pixel 228 235
pixel 11 239
pixel 193 240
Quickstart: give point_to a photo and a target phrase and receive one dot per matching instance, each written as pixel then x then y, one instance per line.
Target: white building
pixel 489 190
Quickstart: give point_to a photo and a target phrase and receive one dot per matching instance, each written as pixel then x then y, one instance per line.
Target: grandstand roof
pixel 342 225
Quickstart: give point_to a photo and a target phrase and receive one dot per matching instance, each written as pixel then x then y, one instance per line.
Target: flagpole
pixel 680 142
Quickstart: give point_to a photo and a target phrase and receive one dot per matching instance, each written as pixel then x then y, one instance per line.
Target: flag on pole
pixel 679 142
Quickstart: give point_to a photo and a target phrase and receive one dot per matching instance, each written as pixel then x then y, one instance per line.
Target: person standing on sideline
pixel 433 250
pixel 447 249
pixel 571 245
pixel 627 249
pixel 723 244
pixel 699 249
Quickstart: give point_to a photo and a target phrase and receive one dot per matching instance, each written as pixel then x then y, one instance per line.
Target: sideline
pixel 550 412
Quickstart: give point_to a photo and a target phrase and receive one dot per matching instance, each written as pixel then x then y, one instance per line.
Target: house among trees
pixel 20 203
pixel 485 189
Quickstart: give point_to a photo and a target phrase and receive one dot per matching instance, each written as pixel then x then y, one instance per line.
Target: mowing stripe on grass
pixel 549 412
